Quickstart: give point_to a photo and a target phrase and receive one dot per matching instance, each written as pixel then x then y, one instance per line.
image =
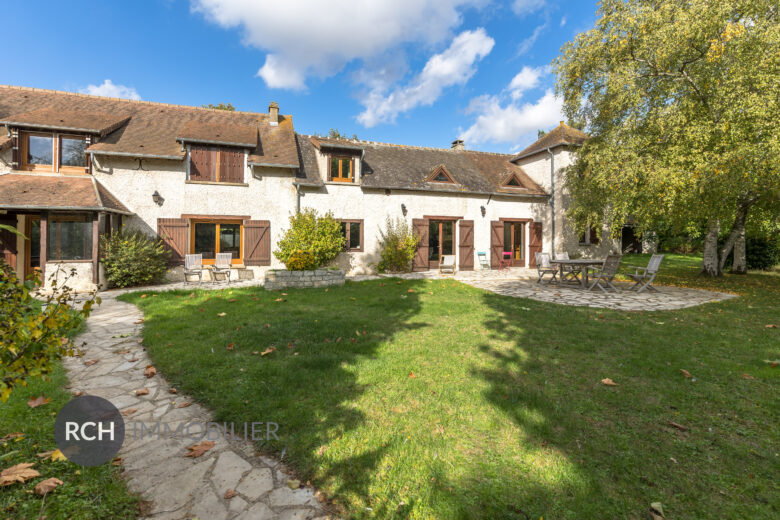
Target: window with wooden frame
pixel 512 182
pixel 589 237
pixel 53 152
pixel 353 233
pixel 69 238
pixel 215 164
pixel 341 169
pixel 440 174
pixel 209 237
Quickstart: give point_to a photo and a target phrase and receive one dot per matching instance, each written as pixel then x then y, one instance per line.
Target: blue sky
pixel 419 72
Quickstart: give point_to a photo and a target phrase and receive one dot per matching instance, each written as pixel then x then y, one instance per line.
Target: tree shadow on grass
pixel 308 384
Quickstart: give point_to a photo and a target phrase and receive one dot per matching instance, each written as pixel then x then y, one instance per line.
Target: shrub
pixel 310 234
pixel 301 261
pixel 397 243
pixel 34 333
pixel 761 252
pixel 133 258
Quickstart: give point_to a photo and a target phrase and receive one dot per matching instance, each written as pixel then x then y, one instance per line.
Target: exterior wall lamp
pixel 157 198
pixel 403 209
pixel 483 210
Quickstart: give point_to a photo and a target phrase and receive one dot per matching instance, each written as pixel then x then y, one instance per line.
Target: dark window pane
pixel 72 152
pixel 230 239
pixel 354 235
pixel 518 245
pixel 334 167
pixel 206 239
pixel 346 168
pixel 39 150
pixel 447 232
pixel 69 240
pixel 35 243
pixel 433 241
pixel 441 178
pixel 507 236
pixel 344 232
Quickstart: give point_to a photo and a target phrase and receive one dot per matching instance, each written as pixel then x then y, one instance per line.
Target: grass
pixel 444 401
pixel 87 493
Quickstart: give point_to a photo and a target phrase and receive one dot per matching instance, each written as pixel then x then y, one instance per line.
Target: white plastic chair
pixel 447 264
pixel 222 265
pixel 193 265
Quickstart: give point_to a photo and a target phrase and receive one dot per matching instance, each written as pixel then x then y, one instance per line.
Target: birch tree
pixel 682 100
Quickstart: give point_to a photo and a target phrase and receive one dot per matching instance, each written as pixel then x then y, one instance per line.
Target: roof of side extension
pixel 562 134
pixel 146 129
pixel 394 166
pixel 57 192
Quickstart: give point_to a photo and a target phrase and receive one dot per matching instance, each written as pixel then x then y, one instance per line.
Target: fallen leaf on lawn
pixel 196 450
pixel 267 351
pixel 747 376
pixel 685 373
pixel 678 426
pixel 255 352
pixel 18 473
pixel 129 411
pixel 410 290
pixel 607 381
pixel 293 484
pixel 230 494
pixel 78 393
pixel 143 296
pixel 200 310
pixel 184 404
pixel 673 460
pixel 290 345
pixel 138 322
pixel 169 344
pixel 772 362
pixel 44 454
pixel 326 340
pixel 11 436
pixel 267 325
pixel 657 511
pixel 117 461
pixel 364 332
pixel 142 391
pixel 133 360
pixel 222 314
pixel 34 402
pixel 338 340
pixel 357 333
pixel 280 300
pixel 192 295
pixel 411 374
pixel 231 300
pixel 172 391
pixel 353 340
pixel 230 346
pixel 91 362
pixel 771 326
pixel 150 371
pixel 140 341
pixel 48 485
pixel 284 294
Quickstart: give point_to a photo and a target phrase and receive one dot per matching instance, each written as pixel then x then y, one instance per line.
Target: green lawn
pixel 87 493
pixel 433 399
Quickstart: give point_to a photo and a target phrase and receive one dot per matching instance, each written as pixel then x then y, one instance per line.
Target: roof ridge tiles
pixel 409 146
pixel 136 101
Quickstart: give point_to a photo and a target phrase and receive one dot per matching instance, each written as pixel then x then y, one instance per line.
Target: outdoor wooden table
pixel 580 263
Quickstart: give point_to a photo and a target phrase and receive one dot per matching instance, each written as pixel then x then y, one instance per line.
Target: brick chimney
pixel 458 144
pixel 273 113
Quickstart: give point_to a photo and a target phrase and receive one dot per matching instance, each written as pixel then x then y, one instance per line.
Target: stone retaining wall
pixel 281 279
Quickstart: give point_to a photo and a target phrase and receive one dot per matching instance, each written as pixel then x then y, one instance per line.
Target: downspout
pixel 297 197
pixel 552 198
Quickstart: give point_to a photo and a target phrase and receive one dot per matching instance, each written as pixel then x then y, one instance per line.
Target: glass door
pixel 33 257
pixel 441 241
pixel 514 243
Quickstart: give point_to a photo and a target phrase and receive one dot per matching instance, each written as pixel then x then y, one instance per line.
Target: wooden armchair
pixel 543 267
pixel 568 273
pixel 603 276
pixel 644 276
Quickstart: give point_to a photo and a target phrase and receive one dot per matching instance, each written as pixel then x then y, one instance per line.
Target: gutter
pixel 51 127
pixel 273 165
pixel 490 193
pixel 67 208
pixel 223 143
pixel 136 155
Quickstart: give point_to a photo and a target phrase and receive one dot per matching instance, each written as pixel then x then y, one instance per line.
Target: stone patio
pixel 178 487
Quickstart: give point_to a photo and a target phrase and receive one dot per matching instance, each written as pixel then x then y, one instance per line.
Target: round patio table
pixel 582 264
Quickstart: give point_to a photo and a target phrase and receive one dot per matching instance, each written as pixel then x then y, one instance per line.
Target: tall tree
pixel 682 102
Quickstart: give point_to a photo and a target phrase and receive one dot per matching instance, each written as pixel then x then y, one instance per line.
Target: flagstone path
pixel 175 486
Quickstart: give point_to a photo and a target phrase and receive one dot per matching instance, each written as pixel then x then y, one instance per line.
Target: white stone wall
pixel 80 281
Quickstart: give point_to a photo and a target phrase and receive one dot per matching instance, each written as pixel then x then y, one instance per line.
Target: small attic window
pixel 440 174
pixel 513 182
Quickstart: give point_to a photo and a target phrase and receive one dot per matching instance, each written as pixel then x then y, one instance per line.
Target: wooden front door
pixel 514 242
pixel 534 243
pixel 441 241
pixel 420 261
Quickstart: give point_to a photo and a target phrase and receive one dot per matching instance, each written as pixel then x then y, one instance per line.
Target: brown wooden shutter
pixel 534 242
pixel 257 242
pixel 174 232
pixel 203 164
pixel 231 166
pixel 420 262
pixel 594 236
pixel 8 243
pixel 466 245
pixel 496 243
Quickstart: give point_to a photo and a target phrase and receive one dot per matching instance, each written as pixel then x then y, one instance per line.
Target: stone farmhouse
pixel 74 166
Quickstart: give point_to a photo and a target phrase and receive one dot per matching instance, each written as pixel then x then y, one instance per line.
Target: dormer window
pixel 440 174
pixel 52 152
pixel 216 164
pixel 341 169
pixel 512 182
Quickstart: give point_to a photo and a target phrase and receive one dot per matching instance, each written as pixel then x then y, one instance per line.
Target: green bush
pixel 761 252
pixel 397 243
pixel 133 258
pixel 310 234
pixel 301 261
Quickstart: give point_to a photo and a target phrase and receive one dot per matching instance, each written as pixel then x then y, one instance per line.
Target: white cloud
pixel 563 21
pixel 526 44
pixel 523 7
pixel 306 38
pixel 526 79
pixel 512 122
pixel 453 66
pixel 109 89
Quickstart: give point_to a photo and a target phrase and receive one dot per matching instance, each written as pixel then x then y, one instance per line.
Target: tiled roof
pixel 308 173
pixel 56 192
pixel 409 167
pixel 152 128
pixel 562 134
pixel 214 133
pixel 82 121
pixel 5 142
